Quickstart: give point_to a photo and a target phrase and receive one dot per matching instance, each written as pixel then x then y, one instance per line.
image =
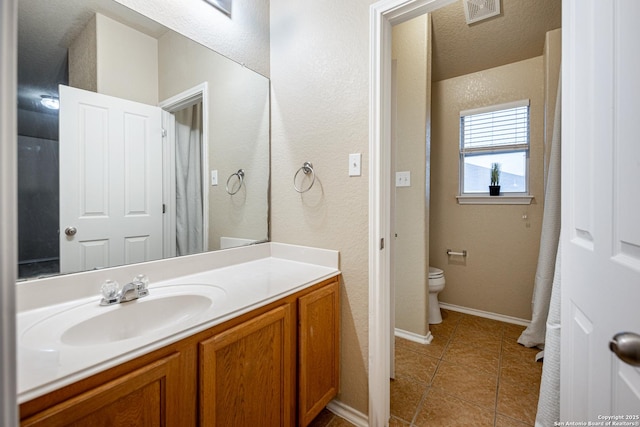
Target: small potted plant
pixel 494 188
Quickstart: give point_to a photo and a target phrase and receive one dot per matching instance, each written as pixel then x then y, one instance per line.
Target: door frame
pixel 8 210
pixel 191 96
pixel 383 15
pixel 393 102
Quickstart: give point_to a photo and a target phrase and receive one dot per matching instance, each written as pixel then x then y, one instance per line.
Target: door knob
pixel 626 345
pixel 70 231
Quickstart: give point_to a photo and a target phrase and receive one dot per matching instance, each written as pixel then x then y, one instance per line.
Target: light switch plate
pixel 403 179
pixel 354 164
pixel 214 177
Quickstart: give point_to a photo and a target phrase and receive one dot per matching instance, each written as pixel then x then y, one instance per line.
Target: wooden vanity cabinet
pixel 274 366
pixel 239 389
pixel 144 397
pixel 247 373
pixel 318 350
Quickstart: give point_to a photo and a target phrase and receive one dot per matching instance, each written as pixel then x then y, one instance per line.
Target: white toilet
pixel 436 284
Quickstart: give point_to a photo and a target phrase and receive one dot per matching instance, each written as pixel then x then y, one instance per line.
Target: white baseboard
pixel 355 417
pixel 421 339
pixel 486 314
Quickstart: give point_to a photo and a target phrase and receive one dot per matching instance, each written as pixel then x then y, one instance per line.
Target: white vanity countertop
pixel 264 273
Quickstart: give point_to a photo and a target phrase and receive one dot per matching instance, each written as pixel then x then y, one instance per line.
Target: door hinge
pixel 382 243
pixel 164 208
pixel 164 132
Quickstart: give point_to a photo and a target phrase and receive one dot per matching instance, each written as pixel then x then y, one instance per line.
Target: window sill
pixel 494 200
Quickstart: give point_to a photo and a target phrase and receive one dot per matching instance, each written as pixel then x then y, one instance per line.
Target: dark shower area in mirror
pixel 38 171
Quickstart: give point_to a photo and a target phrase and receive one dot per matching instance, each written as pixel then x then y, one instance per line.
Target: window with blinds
pixel 495 134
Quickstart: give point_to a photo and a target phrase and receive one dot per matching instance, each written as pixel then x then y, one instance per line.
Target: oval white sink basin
pixel 135 318
pixel 170 309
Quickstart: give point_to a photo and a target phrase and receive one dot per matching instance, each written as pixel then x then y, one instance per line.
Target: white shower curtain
pixel 544 330
pixel 534 335
pixel 549 397
pixel 189 207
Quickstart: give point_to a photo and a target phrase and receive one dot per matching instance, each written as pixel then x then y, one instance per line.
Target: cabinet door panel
pixel 246 377
pixel 140 398
pixel 318 344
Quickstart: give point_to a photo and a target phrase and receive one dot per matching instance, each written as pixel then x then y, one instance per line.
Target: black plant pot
pixel 494 190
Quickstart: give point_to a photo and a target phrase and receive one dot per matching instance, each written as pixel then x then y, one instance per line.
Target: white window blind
pixel 502 126
pixel 495 134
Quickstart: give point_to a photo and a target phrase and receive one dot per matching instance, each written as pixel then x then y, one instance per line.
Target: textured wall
pixel 127 62
pixel 410 50
pixel 82 59
pixel 113 59
pixel 319 80
pixel 244 38
pixel 498 273
pixel 552 62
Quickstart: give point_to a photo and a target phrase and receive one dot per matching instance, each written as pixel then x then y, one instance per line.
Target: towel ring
pixel 240 175
pixel 307 168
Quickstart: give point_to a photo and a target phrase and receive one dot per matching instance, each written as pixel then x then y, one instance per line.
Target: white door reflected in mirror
pixel 110 182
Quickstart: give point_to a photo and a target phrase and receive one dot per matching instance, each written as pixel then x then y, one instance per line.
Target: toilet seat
pixel 435 273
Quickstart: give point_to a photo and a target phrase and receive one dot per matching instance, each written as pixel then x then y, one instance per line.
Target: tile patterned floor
pixel 473 373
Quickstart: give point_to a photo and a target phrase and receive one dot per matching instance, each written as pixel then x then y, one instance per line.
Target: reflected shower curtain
pixel 189 207
pixel 534 335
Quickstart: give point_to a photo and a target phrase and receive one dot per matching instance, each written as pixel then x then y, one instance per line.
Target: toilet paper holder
pixel 456 253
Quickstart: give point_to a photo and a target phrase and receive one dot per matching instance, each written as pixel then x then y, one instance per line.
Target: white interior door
pixel 110 181
pixel 600 202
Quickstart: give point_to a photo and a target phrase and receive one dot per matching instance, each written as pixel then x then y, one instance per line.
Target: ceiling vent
pixel 477 10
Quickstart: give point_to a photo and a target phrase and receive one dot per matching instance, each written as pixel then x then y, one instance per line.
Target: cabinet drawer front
pixel 246 376
pixel 135 399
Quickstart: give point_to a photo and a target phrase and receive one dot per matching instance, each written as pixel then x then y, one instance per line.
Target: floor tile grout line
pixel 424 394
pixel 495 411
pixel 435 372
pixel 501 338
pixel 422 400
pixel 455 396
pixel 451 337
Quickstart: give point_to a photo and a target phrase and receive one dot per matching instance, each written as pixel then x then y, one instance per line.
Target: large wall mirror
pixel 134 142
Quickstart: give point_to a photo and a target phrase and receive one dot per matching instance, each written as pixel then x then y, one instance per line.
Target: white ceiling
pixel 516 34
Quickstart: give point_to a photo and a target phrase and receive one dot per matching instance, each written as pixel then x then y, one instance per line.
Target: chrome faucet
pixel 137 288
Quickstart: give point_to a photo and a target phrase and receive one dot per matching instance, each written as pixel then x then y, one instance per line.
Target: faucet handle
pixel 109 290
pixel 142 283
